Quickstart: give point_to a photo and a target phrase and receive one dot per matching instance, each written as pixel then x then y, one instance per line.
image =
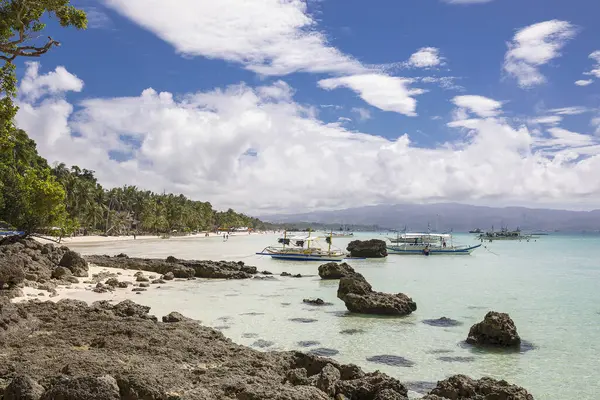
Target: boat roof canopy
pixel 420 235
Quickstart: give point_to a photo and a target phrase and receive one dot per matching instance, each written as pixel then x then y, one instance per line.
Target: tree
pixel 33 198
pixel 29 194
pixel 20 27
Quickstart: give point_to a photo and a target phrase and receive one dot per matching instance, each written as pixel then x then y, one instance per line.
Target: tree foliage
pixel 126 209
pixel 20 36
pixel 32 197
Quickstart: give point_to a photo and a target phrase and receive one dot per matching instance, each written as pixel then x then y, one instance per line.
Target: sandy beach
pixel 83 289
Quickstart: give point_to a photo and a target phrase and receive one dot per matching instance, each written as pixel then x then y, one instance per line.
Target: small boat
pixel 303 248
pixel 476 231
pixel 505 234
pixel 430 244
pixel 413 238
pixel 341 234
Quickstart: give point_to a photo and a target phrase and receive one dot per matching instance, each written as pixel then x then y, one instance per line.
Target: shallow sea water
pixel 550 288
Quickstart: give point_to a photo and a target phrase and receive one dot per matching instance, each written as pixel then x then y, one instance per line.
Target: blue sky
pixel 410 92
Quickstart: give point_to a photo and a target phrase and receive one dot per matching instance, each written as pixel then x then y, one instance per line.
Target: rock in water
pixel 75 263
pixel 315 302
pixel 359 297
pixel 496 329
pixel 373 248
pixel 22 387
pixel 464 388
pixel 334 270
pixel 169 276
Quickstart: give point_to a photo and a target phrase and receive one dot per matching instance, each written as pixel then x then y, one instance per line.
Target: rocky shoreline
pixel 71 350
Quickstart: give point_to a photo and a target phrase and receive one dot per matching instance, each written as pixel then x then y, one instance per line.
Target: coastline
pixel 264 308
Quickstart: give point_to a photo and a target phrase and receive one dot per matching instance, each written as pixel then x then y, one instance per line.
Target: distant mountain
pixel 446 216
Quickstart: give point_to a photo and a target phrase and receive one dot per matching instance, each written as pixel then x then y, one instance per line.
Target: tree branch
pixel 27 51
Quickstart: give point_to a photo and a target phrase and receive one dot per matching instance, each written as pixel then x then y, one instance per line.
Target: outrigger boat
pixel 429 244
pixel 505 234
pixel 293 248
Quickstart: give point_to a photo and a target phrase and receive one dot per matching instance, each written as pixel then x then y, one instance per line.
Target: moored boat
pixel 505 234
pixel 430 244
pixel 303 248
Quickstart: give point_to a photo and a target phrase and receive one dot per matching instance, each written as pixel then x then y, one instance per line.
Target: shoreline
pixel 83 290
pixel 90 239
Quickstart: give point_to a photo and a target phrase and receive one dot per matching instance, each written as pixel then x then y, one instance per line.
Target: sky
pixel 295 105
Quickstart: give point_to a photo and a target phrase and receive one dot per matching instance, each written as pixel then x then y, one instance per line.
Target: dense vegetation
pixel 34 196
pixel 121 210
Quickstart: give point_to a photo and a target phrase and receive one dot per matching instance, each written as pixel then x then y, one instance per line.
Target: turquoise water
pixel 549 287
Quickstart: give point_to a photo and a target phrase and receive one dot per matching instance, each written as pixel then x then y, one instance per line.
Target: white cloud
pixel 546 120
pixel 270 37
pixel 565 138
pixel 479 105
pixel 363 113
pixel 97 19
pixel 445 82
pixel 426 57
pixel 235 147
pixel 384 92
pixel 596 68
pixel 534 46
pixel 595 122
pixel 33 86
pixel 585 82
pixel 575 110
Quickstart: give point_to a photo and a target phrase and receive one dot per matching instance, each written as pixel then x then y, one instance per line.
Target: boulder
pixel 114 282
pixel 61 273
pixel 144 284
pixel 179 271
pixel 142 278
pixel 11 271
pixel 158 281
pixel 169 276
pixel 465 388
pixel 359 297
pixel 373 248
pixel 496 329
pixel 334 270
pixel 174 317
pixel 71 279
pixel 74 262
pixel 181 268
pixel 316 302
pixel 327 379
pixel 22 387
pixel 123 285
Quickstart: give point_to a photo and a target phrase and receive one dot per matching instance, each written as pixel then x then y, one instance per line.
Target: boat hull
pixel 302 257
pixel 435 251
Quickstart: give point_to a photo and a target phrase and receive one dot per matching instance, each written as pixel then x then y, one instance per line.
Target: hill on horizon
pixel 451 216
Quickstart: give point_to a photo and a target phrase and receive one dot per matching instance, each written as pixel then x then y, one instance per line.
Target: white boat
pixel 303 248
pixel 505 234
pixel 430 244
pixel 341 234
pixel 414 238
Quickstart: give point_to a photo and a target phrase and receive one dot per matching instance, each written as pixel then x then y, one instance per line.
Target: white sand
pixel 83 291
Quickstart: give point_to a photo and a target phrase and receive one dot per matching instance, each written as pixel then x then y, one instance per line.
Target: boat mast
pixel 284 237
pixel 329 247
